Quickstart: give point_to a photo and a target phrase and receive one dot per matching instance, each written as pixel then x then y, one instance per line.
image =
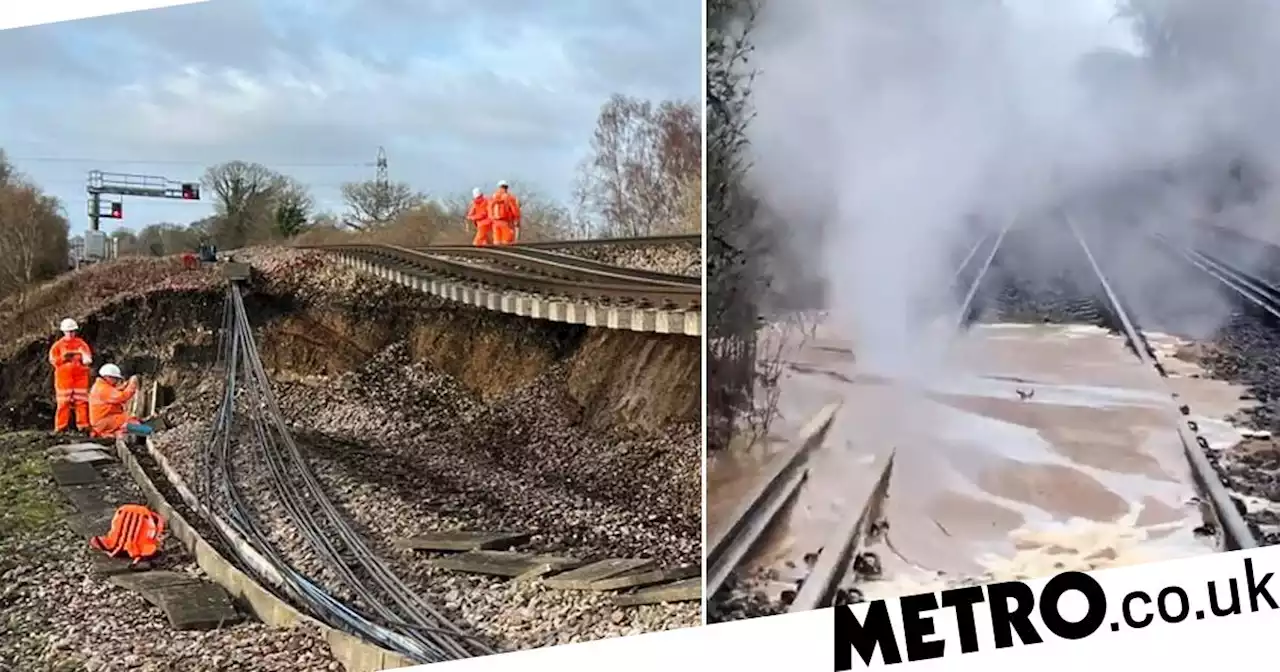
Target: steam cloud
pixel 884 126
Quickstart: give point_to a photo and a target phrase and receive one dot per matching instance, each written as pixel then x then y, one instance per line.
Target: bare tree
pixel 7 172
pixel 33 237
pixel 372 203
pixel 127 242
pixel 689 206
pixel 736 274
pixel 541 217
pixel 642 154
pixel 165 238
pixel 244 196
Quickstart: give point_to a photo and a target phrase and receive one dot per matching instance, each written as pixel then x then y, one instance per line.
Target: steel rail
pixel 1256 291
pixel 239 521
pixel 426 265
pixel 1236 534
pixel 637 241
pixel 761 506
pixel 418 613
pixel 758 509
pixel 970 296
pixel 565 266
pixel 968 258
pixel 274 435
pixel 850 533
pixel 421 634
pixel 415 647
pixel 856 528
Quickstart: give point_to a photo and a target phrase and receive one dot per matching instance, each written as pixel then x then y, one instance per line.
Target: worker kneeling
pixel 107 399
pixel 135 531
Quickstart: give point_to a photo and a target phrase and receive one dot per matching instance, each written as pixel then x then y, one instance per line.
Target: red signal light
pixel 191 192
pixel 117 211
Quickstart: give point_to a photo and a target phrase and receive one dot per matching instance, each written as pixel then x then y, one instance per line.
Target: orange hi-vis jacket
pixel 479 211
pixel 135 531
pixel 70 357
pixel 504 207
pixel 106 407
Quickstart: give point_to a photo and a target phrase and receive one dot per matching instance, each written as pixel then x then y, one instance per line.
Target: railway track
pixel 558 265
pixel 549 280
pixel 840 561
pixel 639 241
pixel 249 428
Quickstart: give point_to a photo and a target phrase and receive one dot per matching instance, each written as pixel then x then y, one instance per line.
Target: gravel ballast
pixel 56 614
pixel 403 451
pixel 676 259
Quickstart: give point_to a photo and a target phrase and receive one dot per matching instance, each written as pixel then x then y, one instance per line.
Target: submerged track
pixel 840 562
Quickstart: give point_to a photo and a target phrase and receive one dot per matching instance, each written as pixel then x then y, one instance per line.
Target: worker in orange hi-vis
pixel 107 401
pixel 71 358
pixel 504 210
pixel 478 215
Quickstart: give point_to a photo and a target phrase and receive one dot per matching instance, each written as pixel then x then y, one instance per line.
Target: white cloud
pixel 454 105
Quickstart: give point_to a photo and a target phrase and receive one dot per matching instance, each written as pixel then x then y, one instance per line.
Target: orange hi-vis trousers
pixel 484 231
pixel 135 531
pixel 503 233
pixel 70 358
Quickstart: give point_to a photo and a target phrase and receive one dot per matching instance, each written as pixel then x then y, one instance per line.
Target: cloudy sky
pixel 460 94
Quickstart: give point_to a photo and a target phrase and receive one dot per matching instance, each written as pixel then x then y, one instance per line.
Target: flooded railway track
pixel 858 525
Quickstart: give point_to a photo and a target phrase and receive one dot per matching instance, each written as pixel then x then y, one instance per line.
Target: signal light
pixel 117 210
pixel 190 191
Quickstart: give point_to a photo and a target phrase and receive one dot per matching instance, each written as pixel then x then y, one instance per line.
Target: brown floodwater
pixel 976 463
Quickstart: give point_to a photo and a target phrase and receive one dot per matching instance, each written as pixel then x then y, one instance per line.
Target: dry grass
pixel 35 313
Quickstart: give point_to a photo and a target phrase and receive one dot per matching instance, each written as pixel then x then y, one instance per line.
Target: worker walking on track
pixel 504 210
pixel 479 216
pixel 71 358
pixel 107 401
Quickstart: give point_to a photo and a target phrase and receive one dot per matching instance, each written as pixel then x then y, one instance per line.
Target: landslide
pixel 315 318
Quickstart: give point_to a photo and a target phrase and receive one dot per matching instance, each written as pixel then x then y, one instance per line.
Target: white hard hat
pixel 475 193
pixel 503 183
pixel 68 325
pixel 110 371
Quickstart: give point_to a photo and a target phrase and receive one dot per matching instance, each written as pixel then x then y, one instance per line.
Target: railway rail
pixel 637 241
pixel 249 428
pixel 563 266
pixel 839 559
pixel 628 292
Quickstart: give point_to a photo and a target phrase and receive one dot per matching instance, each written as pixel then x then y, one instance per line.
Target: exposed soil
pixel 589 436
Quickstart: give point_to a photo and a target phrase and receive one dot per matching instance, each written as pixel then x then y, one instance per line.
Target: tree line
pixel 642 176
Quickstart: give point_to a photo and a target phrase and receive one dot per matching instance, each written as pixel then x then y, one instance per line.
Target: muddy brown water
pixel 975 462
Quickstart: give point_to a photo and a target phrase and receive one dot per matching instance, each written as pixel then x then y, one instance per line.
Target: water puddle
pixel 1050 446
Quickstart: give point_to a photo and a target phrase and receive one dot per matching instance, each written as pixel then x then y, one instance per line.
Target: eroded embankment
pixel 419 415
pixel 314 318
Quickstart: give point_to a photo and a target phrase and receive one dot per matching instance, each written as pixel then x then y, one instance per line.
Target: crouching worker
pixel 107 401
pixel 135 531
